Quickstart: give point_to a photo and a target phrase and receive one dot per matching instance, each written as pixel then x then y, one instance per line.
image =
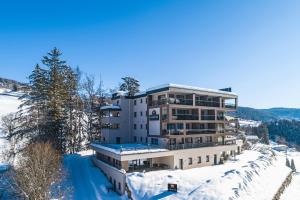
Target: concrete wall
pixel 138 120
pixel 113 175
pixel 203 152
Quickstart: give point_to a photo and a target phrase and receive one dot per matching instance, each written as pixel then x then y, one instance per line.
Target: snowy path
pixel 88 182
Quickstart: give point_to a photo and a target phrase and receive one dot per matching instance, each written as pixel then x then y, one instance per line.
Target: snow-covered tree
pixel 130 85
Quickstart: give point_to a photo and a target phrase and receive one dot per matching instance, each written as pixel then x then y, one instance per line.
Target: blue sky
pixel 252 46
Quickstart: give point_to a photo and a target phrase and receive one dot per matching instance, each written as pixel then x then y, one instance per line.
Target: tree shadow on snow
pixel 162 195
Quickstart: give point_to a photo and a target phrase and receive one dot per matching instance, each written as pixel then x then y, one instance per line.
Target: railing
pixel 208 117
pixel 172 132
pixel 171 101
pixel 230 105
pixel 154 167
pixel 220 117
pixel 207 103
pixel 196 145
pixel 185 117
pixel 200 131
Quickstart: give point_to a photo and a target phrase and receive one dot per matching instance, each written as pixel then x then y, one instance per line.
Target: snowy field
pixel 251 176
pixel 86 180
pixel 293 190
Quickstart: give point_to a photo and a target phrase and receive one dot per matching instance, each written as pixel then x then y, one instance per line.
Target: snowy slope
pixel 250 177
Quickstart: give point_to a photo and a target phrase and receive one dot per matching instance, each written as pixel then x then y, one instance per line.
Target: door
pixel 215 159
pixel 180 163
pixel 118 140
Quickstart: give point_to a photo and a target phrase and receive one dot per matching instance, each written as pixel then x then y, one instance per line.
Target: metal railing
pixel 207 103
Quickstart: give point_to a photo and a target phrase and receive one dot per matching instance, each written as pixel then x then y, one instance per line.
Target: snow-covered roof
pixel 110 107
pixel 125 149
pixel 189 88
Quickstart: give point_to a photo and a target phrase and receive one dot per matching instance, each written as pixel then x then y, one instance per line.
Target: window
pixel 141 113
pixel 141 139
pixel 119 186
pixel 154 141
pixel 199 159
pixel 134 102
pixel 141 126
pixel 141 100
pixel 190 161
pixel 118 102
pixel 134 126
pixel 134 139
pixel 207 158
pixel 134 114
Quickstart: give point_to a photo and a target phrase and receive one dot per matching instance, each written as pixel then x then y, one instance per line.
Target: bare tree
pixel 9 124
pixel 37 170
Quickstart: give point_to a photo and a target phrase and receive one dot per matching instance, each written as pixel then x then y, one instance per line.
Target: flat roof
pixel 126 149
pixel 172 85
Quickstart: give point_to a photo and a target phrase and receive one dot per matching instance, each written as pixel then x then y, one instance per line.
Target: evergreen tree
pixel 287 163
pixel 265 134
pixel 130 85
pixel 293 167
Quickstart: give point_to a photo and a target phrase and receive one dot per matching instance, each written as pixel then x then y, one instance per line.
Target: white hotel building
pixel 167 127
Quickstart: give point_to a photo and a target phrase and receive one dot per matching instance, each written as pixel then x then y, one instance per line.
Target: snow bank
pixel 251 176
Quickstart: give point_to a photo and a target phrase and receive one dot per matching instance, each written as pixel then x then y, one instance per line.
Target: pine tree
pixel 293 167
pixel 130 85
pixel 287 163
pixel 265 134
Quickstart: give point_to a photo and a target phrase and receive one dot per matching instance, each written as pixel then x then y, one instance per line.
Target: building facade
pixel 167 127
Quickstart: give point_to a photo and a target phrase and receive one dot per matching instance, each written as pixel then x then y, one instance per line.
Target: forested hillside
pixel 266 114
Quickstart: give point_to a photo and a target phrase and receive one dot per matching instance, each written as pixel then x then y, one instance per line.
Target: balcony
pixel 172 132
pixel 207 103
pixel 208 117
pixel 230 105
pixel 200 131
pixel 185 117
pixel 197 145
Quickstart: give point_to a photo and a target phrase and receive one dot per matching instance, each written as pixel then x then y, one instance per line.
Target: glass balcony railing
pixel 207 103
pixel 208 117
pixel 185 117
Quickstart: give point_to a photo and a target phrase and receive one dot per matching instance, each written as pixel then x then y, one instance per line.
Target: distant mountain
pixel 267 114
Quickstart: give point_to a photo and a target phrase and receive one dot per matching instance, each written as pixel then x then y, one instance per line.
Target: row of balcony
pixel 189 102
pixel 198 145
pixel 195 117
pixel 191 131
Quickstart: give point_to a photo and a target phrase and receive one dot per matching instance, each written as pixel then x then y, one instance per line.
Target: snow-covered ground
pixel 293 190
pixel 251 176
pixel 248 123
pixel 86 180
